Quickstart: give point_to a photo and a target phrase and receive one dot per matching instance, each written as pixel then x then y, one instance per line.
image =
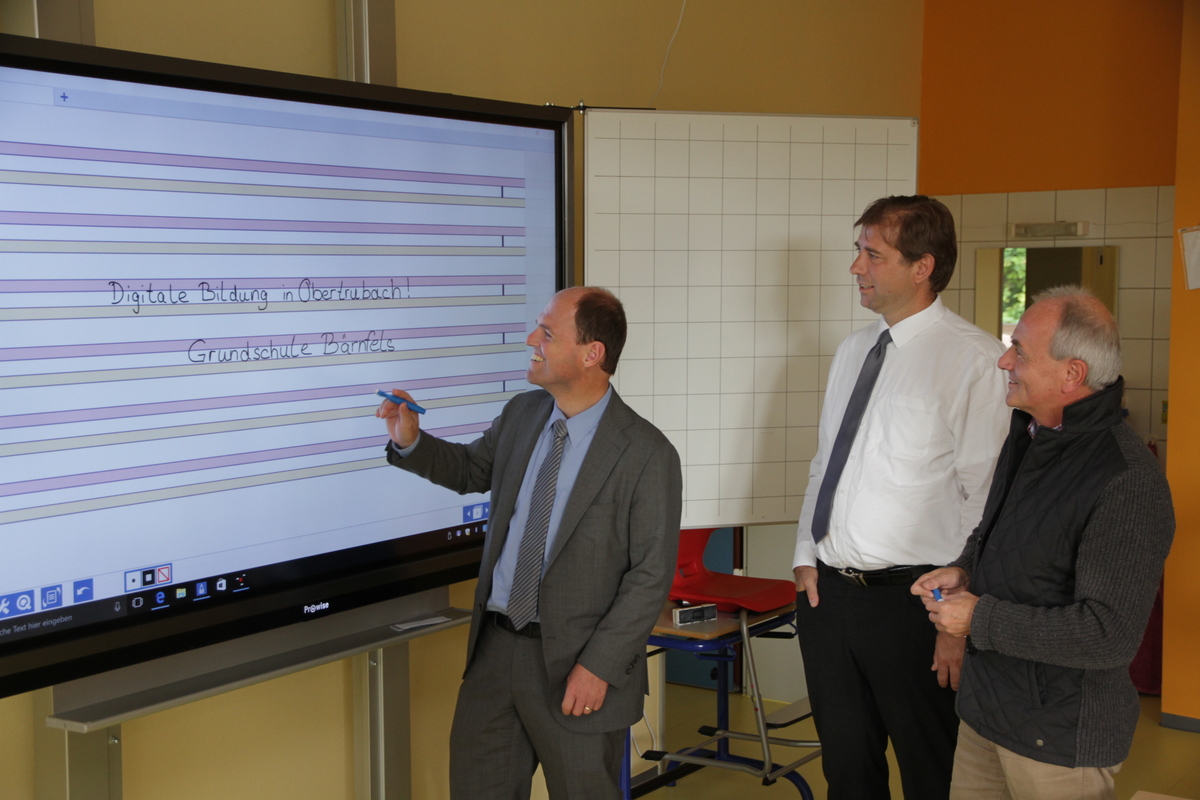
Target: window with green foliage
pixel 1012 298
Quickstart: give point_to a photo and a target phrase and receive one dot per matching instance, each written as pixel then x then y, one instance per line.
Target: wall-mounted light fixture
pixel 1043 230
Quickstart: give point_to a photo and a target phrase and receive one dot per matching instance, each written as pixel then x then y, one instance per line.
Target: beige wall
pixel 773 56
pixel 16 754
pixel 286 35
pixel 286 738
pixel 291 738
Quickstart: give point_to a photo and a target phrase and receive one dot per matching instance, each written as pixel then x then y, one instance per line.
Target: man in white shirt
pixel 913 419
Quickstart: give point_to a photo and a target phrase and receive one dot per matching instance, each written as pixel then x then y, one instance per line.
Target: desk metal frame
pixel 715 642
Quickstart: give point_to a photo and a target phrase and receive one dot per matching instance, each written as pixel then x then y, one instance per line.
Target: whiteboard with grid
pixel 729 239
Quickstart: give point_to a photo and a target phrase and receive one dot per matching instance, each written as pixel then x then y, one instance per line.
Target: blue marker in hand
pixel 937 595
pixel 401 401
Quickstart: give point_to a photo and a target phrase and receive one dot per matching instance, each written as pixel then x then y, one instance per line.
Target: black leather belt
pixel 888 576
pixel 533 630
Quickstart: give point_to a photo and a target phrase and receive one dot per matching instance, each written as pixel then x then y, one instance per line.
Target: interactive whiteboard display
pixel 200 294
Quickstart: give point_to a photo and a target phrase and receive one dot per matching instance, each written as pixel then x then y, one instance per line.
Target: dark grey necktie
pixel 845 437
pixel 527 578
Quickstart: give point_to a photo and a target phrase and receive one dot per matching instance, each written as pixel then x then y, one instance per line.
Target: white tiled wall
pixel 1139 221
pixel 729 239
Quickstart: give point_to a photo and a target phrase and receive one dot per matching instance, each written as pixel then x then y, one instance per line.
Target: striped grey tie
pixel 527 578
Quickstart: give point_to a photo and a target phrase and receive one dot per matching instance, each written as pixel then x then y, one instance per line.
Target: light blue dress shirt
pixel 581 429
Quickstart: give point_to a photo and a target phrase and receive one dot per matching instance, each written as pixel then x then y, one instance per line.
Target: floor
pixel 1163 760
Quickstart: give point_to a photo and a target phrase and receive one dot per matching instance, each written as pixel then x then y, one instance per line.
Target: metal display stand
pixel 78 754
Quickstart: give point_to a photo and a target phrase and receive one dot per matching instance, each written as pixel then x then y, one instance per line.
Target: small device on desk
pixel 686 615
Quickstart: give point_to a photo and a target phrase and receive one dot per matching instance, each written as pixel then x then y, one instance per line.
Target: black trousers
pixel 867 656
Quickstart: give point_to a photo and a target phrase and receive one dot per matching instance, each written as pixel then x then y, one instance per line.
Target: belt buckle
pixel 853 575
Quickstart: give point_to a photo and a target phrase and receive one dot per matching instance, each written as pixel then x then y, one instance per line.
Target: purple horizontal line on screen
pixel 51 285
pixel 249 165
pixel 283 341
pixel 76 415
pixel 224 224
pixel 140 247
pixel 464 280
pixel 213 462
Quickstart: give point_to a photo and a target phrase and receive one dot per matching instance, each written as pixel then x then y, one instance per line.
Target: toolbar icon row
pixel 17 603
pixel 150 576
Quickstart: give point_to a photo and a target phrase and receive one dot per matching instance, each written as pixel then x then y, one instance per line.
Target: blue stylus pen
pixel 937 595
pixel 399 400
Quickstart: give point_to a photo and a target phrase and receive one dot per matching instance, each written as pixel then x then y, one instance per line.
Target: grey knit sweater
pixel 1066 562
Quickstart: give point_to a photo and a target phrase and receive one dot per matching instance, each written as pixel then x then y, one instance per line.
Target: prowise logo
pixel 315 607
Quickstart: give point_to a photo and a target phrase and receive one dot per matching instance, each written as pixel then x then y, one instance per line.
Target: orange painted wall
pixel 1030 95
pixel 1181 648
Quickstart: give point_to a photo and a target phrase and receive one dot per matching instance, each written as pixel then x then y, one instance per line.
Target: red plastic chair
pixel 695 583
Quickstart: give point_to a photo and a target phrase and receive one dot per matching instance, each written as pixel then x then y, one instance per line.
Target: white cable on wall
pixel 663 71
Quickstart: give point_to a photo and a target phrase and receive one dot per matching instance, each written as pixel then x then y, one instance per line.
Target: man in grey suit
pixel 600 528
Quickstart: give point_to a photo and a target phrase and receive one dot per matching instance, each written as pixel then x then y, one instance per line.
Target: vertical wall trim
pixel 989 277
pixel 366 32
pixel 350 52
pixel 66 20
pixel 73 766
pixel 360 673
pixel 116 788
pixel 49 751
pixel 391 750
pixel 19 17
pixel 381 42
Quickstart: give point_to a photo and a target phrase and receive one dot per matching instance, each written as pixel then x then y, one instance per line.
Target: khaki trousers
pixel 986 771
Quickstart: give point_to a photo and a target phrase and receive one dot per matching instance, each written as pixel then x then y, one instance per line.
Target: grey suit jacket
pixel 613 559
